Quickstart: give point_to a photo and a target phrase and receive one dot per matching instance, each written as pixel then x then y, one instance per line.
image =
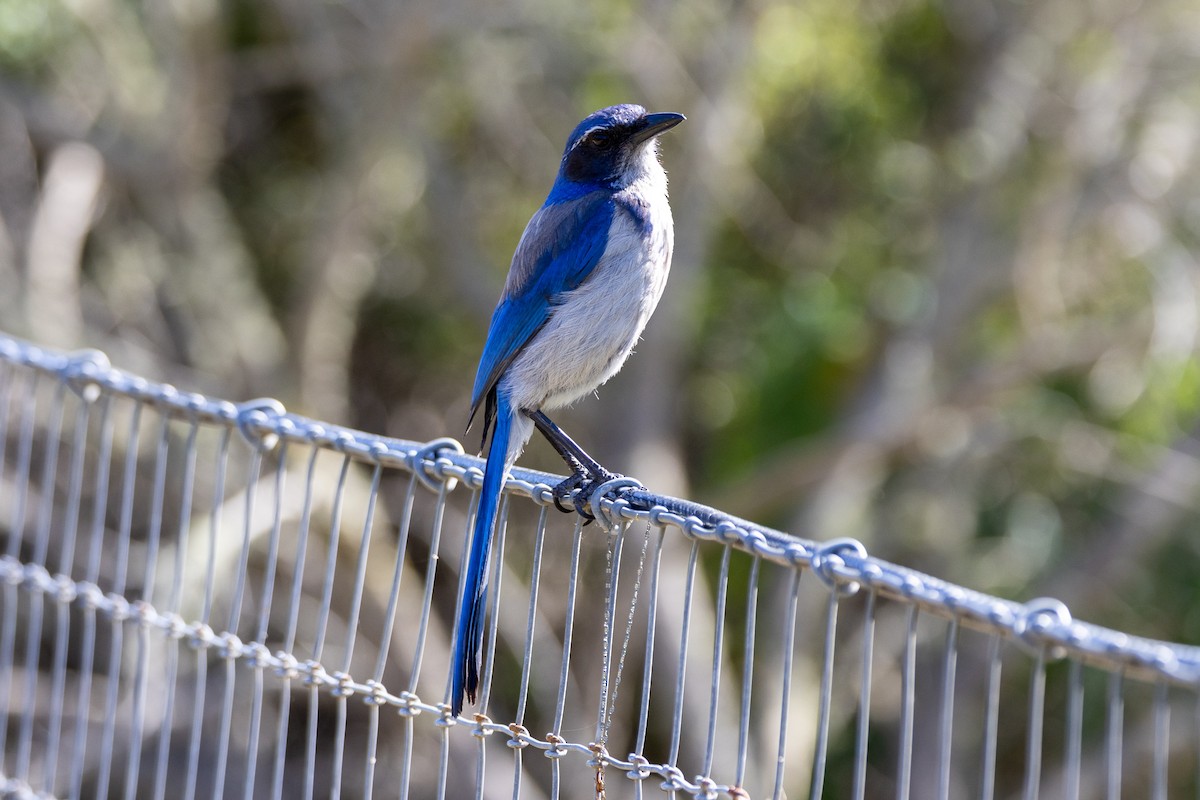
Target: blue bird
pixel 586 276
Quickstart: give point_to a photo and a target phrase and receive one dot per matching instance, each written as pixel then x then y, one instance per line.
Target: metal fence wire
pixel 200 599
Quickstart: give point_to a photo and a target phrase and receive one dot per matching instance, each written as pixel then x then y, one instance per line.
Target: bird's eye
pixel 601 140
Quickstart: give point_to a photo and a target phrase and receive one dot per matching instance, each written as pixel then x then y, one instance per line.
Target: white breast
pixel 593 330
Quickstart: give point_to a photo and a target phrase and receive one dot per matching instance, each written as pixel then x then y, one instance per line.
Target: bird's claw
pixel 578 490
pixel 569 497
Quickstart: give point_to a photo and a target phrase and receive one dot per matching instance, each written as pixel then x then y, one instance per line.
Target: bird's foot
pixel 572 490
pixel 578 490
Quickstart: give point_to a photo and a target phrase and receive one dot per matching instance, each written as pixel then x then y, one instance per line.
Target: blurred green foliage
pixel 935 283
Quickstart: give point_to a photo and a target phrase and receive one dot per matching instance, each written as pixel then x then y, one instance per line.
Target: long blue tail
pixel 468 632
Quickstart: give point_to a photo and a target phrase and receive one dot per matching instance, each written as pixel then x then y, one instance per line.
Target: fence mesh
pixel 202 599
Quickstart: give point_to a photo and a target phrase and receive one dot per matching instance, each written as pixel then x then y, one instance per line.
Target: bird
pixel 585 278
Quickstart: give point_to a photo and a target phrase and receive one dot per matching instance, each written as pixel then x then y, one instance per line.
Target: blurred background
pixel 934 286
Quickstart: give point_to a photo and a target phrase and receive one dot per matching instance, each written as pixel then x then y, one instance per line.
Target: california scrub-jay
pixel 584 280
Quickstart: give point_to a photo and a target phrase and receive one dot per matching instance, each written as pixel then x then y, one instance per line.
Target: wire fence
pixel 201 599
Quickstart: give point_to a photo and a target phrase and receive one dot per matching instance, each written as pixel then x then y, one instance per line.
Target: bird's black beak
pixel 654 124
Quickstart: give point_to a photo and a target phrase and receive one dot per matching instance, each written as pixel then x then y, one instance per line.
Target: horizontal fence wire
pixel 203 599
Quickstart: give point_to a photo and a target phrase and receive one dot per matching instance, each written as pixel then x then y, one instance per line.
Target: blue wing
pixel 560 247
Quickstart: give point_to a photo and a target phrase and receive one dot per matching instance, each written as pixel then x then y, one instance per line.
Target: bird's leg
pixel 585 470
pixel 575 456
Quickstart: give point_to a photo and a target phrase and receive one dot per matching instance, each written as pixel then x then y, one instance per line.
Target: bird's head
pixel 614 146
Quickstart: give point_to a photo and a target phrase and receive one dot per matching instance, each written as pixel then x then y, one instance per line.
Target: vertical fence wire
pixel 264 616
pixel 564 674
pixel 945 735
pixel 863 725
pixel 324 609
pixel 612 569
pixel 8 624
pixel 90 576
pixel 149 566
pixel 825 697
pixel 681 668
pixel 200 673
pixel 117 619
pixel 535 570
pixel 785 690
pixel 751 621
pixel 643 722
pixel 62 610
pixel 991 719
pixel 1114 722
pixel 1033 749
pixel 908 693
pixel 289 674
pixel 444 739
pixel 356 599
pixel 37 604
pixel 186 485
pixel 1196 745
pixel 1162 742
pixel 1074 746
pixel 229 667
pixel 717 658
